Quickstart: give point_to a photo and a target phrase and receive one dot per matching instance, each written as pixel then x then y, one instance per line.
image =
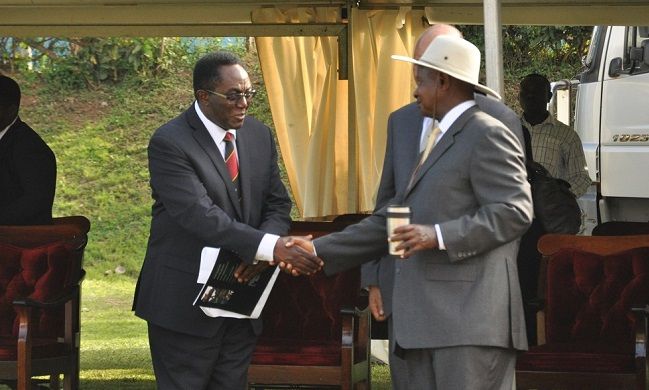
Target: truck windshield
pixel 594 43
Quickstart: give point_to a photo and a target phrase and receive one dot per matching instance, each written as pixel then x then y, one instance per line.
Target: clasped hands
pixel 296 254
pixel 293 254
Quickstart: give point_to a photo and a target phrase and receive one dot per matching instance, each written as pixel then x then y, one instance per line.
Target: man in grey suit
pixel 406 139
pixel 202 200
pixel 456 312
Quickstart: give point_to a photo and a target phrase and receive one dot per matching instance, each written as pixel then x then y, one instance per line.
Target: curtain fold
pixel 310 105
pixel 381 85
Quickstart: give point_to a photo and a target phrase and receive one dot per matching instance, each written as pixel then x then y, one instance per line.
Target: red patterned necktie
pixel 231 160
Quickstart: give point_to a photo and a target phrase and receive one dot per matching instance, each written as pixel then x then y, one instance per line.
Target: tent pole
pixel 352 173
pixel 493 45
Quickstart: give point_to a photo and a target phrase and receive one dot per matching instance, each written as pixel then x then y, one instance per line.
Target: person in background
pixel 406 139
pixel 558 148
pixel 555 145
pixel 27 165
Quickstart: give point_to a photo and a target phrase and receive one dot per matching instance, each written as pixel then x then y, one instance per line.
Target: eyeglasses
pixel 234 97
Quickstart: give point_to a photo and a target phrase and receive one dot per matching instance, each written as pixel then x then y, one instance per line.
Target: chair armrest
pixel 65 296
pixel 61 299
pixel 353 311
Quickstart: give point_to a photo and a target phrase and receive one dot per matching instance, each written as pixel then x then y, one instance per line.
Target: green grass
pixel 100 144
pixel 114 347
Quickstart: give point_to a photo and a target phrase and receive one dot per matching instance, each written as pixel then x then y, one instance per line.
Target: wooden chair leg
pixel 24 362
pixel 55 381
pixel 641 335
pixel 71 381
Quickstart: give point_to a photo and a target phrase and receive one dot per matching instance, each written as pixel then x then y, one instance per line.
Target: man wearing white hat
pixel 456 312
pixel 406 136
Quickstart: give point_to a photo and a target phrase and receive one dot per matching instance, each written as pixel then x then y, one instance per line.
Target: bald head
pixel 431 33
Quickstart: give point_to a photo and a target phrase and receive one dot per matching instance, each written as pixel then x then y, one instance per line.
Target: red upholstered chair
pixel 40 276
pixel 621 228
pixel 314 335
pixel 593 338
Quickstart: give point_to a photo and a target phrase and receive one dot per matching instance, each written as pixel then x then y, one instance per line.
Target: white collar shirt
pixel 216 132
pixel 451 116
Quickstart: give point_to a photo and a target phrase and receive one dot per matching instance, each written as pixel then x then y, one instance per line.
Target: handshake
pixel 296 255
pixel 293 254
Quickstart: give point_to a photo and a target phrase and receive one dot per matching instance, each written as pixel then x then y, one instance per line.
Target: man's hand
pixel 303 242
pixel 414 238
pixel 245 272
pixel 376 303
pixel 294 258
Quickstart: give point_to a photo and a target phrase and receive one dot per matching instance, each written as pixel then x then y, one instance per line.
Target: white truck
pixel 612 120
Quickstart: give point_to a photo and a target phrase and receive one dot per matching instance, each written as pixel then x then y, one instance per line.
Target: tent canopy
pixel 232 18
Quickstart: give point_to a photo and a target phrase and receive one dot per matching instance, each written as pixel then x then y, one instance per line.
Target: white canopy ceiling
pixel 232 18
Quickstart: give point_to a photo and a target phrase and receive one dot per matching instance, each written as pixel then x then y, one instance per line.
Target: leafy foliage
pixel 91 61
pixel 553 51
pixel 537 47
pixel 75 63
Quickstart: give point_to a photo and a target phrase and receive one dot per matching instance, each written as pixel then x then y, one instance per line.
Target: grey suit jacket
pixel 401 151
pixel 474 186
pixel 195 205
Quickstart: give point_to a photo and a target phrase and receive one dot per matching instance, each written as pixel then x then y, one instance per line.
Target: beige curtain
pixel 310 105
pixel 381 85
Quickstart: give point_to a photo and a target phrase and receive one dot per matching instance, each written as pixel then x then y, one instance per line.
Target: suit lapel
pixel 412 133
pixel 10 133
pixel 206 142
pixel 443 145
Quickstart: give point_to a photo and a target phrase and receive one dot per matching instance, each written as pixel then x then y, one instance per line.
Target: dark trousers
pixel 528 261
pixel 182 361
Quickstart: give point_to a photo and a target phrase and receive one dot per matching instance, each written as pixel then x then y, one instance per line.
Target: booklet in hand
pixel 221 295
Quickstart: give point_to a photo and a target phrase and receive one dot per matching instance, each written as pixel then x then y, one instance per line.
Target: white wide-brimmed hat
pixel 454 56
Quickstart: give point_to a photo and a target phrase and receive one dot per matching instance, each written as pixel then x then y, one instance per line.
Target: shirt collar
pixel 451 116
pixel 548 120
pixel 216 131
pixel 4 131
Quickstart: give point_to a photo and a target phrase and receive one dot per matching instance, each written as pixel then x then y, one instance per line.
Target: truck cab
pixel 612 120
